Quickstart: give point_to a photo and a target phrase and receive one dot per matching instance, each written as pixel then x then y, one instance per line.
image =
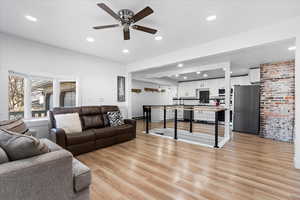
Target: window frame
pixel 56 92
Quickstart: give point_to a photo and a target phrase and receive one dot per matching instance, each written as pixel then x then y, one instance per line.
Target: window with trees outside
pixel 16 96
pixel 32 96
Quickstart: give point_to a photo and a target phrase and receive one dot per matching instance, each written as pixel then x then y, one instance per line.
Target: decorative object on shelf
pixel 121 89
pixel 136 90
pixel 151 90
pixel 154 90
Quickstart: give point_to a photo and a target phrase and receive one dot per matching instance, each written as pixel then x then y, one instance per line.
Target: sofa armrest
pixel 133 123
pixel 59 136
pixel 130 121
pixel 47 176
pixel 33 132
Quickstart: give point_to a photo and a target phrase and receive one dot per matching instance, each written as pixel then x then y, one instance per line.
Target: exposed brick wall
pixel 277 109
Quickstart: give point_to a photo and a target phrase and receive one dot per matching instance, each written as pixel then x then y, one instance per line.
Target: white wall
pixel 150 98
pixel 297 104
pixel 188 89
pixel 97 77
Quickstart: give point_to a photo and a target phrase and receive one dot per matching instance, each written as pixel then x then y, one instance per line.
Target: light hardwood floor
pixel 151 167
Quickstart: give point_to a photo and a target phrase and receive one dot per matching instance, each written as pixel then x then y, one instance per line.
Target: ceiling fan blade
pixel 126 34
pixel 108 10
pixel 144 29
pixel 142 14
pixel 106 26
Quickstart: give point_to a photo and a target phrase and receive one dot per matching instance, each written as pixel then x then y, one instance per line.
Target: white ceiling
pixel 241 61
pixel 67 23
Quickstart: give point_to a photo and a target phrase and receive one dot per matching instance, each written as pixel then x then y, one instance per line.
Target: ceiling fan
pixel 127 20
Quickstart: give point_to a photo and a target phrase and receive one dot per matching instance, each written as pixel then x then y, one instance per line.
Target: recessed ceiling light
pixel 90 39
pixel 184 77
pixel 231 72
pixel 211 18
pixel 31 18
pixel 125 51
pixel 158 38
pixel 177 75
pixel 205 75
pixel 198 72
pixel 293 48
pixel 180 65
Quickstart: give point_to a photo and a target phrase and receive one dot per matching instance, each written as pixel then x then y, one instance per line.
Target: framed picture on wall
pixel 121 89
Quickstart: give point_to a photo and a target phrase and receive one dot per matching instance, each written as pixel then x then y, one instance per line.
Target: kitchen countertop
pixel 211 108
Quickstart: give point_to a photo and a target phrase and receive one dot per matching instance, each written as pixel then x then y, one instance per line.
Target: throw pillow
pixel 70 123
pixel 115 118
pixel 17 126
pixel 18 146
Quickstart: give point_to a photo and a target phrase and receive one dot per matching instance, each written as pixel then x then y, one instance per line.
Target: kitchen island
pixel 169 110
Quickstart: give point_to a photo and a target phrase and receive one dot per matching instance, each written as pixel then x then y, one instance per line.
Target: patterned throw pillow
pixel 17 126
pixel 115 118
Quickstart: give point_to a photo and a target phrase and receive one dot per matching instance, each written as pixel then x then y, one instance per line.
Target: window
pixel 41 97
pixel 32 96
pixel 67 94
pixel 15 96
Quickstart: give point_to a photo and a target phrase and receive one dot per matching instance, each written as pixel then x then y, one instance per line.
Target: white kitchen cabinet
pixel 180 114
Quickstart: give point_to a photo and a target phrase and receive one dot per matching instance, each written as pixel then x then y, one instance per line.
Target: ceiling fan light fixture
pixel 126 19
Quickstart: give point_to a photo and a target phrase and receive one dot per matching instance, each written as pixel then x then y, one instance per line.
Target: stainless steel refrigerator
pixel 246 108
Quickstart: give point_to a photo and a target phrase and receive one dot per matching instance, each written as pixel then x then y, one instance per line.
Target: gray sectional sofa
pixel 51 176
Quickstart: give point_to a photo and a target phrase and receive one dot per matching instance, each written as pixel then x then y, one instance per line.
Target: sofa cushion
pixel 105 132
pixel 18 146
pixel 115 118
pixel 70 122
pixel 81 176
pixel 17 126
pixel 51 145
pixel 112 131
pixel 3 156
pixel 92 121
pixel 90 110
pixel 81 137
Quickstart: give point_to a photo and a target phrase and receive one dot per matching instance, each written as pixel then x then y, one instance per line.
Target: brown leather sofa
pixel 96 133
